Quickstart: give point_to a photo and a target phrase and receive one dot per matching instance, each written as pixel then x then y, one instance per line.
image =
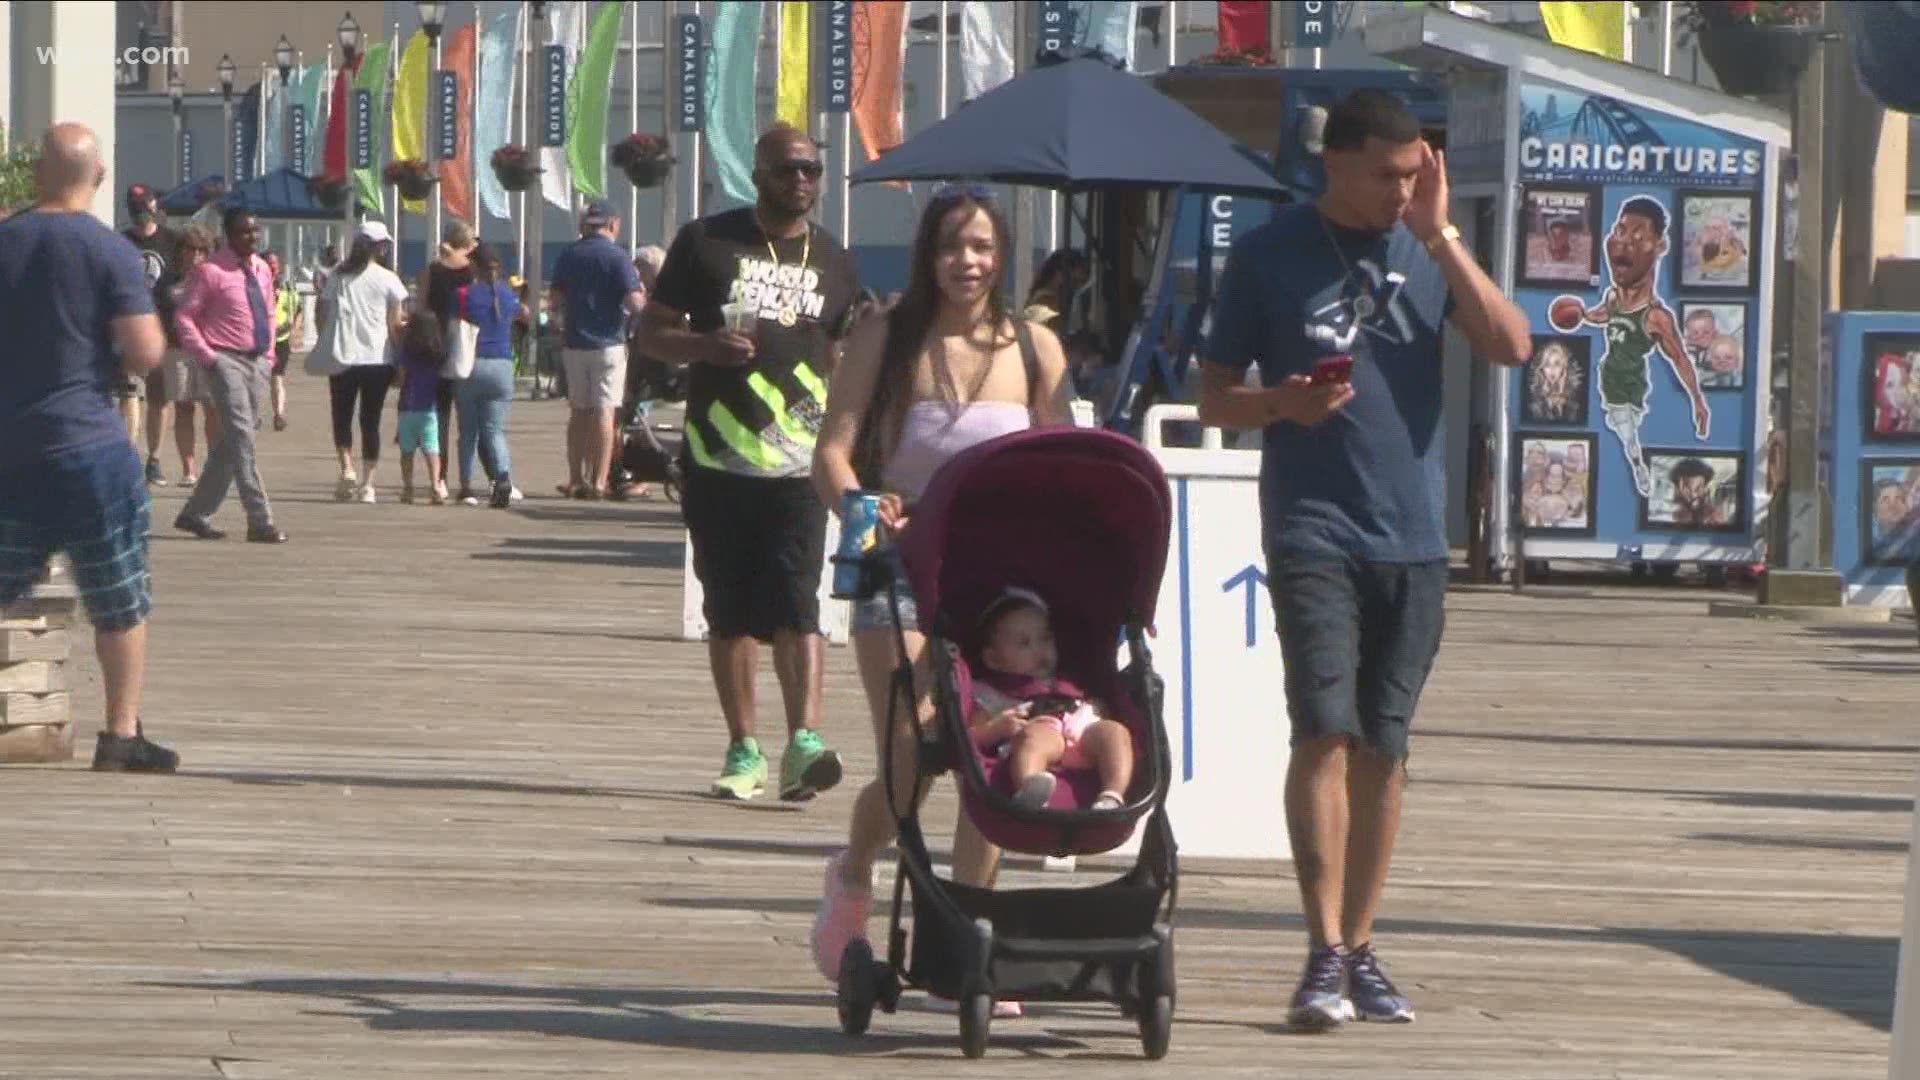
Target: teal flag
pixel 732 68
pixel 309 92
pixel 588 96
pixel 492 105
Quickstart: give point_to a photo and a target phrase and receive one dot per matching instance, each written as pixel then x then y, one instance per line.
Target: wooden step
pixel 17 645
pixel 32 677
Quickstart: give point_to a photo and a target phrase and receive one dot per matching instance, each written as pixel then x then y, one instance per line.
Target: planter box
pixel 36 713
pixel 1244 102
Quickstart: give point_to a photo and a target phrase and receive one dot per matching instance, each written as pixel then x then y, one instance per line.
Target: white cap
pixel 375 231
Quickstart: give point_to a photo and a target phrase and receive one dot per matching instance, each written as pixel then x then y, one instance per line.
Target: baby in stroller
pixel 1036 719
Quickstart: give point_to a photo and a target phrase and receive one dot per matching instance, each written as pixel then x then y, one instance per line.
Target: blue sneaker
pixel 1374 996
pixel 1318 1004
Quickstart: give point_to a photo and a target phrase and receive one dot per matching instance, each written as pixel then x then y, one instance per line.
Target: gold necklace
pixel 788 314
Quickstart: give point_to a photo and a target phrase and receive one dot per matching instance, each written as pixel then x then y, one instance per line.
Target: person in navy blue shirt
pixel 79 320
pixel 595 288
pixel 1351 482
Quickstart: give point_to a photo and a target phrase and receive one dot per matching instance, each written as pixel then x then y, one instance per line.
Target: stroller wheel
pixel 1156 1026
pixel 976 1014
pixel 857 989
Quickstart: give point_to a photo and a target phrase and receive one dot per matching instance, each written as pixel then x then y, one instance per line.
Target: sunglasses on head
pixel 804 167
pixel 976 191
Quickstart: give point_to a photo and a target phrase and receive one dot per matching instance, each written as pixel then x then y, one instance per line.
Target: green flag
pixel 587 101
pixel 373 75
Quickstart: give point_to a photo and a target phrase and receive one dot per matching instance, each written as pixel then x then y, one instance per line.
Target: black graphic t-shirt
pixel 762 419
pixel 160 258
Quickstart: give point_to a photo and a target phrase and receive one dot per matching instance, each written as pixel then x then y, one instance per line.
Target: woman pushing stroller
pixel 947 368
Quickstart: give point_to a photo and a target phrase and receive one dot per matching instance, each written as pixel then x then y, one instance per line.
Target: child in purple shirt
pixel 422 352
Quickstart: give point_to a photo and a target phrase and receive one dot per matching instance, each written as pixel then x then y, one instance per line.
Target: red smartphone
pixel 1332 369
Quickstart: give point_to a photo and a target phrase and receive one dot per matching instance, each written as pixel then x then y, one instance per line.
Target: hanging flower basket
pixel 1755 47
pixel 328 191
pixel 643 157
pixel 212 189
pixel 515 167
pixel 1756 61
pixel 412 177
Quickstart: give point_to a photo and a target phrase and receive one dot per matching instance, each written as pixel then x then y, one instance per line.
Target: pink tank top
pixel 932 433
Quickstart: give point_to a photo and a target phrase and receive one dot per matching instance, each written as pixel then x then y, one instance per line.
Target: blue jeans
pixel 484 399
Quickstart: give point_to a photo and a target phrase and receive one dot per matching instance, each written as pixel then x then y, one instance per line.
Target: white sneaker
pixel 365 495
pixel 347 487
pixel 516 496
pixel 469 500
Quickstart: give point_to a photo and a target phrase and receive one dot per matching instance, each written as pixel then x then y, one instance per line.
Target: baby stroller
pixel 1082 518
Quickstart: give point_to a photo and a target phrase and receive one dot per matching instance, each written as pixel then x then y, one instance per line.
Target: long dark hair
pixel 422 342
pixel 486 270
pixel 364 251
pixel 910 320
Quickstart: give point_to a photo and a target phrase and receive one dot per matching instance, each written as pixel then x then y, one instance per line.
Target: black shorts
pixel 1358 640
pixel 757 550
pixel 282 352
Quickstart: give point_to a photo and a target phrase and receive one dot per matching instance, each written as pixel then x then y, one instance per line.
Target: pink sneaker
pixel 842 918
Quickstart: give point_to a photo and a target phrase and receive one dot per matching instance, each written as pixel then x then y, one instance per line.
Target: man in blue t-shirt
pixel 595 288
pixel 1340 304
pixel 79 321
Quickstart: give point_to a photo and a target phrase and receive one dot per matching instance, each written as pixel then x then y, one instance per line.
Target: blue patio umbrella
pixel 1886 39
pixel 1075 125
pixel 189 197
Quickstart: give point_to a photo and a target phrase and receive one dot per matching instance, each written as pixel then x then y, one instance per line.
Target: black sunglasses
pixel 809 169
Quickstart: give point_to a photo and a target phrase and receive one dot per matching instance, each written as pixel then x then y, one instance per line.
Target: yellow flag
pixel 796 44
pixel 1590 27
pixel 410 108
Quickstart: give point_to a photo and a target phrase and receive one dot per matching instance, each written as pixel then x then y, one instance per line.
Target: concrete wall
pixel 73 84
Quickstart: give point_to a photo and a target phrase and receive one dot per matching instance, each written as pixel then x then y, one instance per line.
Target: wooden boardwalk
pixel 441 818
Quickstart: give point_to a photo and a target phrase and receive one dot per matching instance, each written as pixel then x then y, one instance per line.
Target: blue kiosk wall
pixel 1643 249
pixel 1870 451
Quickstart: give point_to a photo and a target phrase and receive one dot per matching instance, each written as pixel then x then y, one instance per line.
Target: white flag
pixel 566 27
pixel 986 46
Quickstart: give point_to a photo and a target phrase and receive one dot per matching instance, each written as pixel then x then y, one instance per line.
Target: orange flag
pixel 879 57
pixel 456 176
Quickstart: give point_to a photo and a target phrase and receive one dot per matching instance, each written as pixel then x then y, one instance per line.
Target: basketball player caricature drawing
pixel 1635 321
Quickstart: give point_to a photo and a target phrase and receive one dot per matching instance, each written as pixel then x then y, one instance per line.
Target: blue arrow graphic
pixel 1253 580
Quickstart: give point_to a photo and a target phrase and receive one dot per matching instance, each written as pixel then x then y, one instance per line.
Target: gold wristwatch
pixel 1447 232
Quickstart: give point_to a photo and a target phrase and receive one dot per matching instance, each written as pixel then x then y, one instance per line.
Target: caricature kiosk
pixel 1633 217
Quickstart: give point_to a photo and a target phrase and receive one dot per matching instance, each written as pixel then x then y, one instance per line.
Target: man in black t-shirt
pixel 172 382
pixel 757 300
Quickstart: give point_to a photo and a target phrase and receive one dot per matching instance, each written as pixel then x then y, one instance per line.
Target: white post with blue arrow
pixel 1217 649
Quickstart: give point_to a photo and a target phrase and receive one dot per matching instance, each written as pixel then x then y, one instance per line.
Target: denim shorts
pixel 90 503
pixel 876 612
pixel 1358 640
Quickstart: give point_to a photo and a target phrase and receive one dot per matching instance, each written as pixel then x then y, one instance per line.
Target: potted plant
pixel 643 157
pixel 515 167
pixel 1755 47
pixel 1234 58
pixel 412 177
pixel 328 191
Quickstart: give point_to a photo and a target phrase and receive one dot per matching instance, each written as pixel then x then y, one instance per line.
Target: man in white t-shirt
pixel 369 303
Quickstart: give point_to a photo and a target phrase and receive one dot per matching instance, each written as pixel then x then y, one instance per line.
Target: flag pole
pixel 1666 37
pixel 943 59
pixel 699 138
pixel 669 114
pixel 633 116
pixel 522 48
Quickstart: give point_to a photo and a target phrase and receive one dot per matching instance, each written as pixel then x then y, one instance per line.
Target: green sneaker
pixel 808 767
pixel 745 773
